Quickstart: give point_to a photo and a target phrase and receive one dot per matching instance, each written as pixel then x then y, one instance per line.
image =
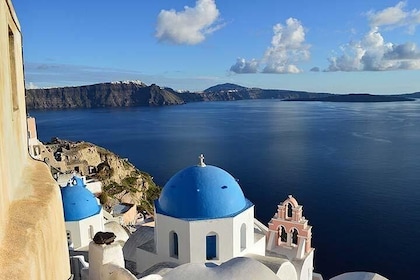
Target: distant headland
pixel 358 97
pixel 136 93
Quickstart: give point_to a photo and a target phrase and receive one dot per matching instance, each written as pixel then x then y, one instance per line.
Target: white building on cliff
pixel 210 235
pixel 82 214
pixel 205 226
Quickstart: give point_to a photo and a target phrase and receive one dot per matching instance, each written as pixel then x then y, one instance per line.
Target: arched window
pixel 69 241
pixel 243 237
pixel 295 237
pixel 282 234
pixel 91 232
pixel 289 210
pixel 173 244
pixel 211 246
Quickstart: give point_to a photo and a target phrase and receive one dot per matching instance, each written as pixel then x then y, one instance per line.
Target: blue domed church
pixel 82 213
pixel 201 216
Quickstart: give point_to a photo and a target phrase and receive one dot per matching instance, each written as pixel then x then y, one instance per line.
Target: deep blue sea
pixel 355 167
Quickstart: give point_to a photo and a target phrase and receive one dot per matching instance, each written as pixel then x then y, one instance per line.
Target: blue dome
pixel 78 202
pixel 201 192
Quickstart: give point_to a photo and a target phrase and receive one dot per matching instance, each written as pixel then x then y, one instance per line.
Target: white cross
pixel 201 163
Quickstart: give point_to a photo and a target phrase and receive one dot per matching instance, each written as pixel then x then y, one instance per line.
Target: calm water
pixel 354 167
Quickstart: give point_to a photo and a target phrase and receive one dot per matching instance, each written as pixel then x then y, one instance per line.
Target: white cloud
pixel 407 51
pixel 287 48
pixel 372 52
pixel 396 16
pixel 189 26
pixel 243 66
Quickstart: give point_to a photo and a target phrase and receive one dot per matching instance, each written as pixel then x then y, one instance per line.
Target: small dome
pixel 78 202
pixel 201 192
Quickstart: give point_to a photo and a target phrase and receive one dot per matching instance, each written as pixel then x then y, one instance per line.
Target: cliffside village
pixel 204 227
pixel 96 167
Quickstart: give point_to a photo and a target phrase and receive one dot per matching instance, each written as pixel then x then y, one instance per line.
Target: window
pixel 243 237
pixel 91 232
pixel 282 234
pixel 211 246
pixel 289 211
pixel 12 59
pixel 295 237
pixel 69 242
pixel 173 244
pixel 37 150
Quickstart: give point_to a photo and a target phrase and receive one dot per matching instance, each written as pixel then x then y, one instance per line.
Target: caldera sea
pixel 355 167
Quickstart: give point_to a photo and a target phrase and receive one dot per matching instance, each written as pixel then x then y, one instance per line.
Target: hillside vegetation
pixel 121 180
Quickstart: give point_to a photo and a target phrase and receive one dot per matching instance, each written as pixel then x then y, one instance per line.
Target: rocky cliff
pixel 235 92
pixel 231 92
pixel 116 94
pixel 357 98
pixel 133 93
pixel 121 180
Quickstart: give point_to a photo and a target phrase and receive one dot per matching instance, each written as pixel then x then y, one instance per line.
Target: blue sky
pixel 325 46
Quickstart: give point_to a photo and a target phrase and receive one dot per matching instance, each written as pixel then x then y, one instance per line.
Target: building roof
pixel 142 235
pixel 120 233
pixel 122 208
pixel 78 202
pixel 236 268
pixel 359 275
pixel 201 192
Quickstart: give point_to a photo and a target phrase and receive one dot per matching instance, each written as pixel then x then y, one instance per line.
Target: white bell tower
pixel 290 235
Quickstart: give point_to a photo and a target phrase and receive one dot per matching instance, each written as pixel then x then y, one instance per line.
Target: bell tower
pixel 290 235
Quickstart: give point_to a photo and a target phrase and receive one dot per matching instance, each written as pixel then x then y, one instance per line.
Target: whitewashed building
pixel 201 215
pixel 82 214
pixel 204 229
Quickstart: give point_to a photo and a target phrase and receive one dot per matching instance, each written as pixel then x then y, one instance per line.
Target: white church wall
pixel 83 231
pixel 258 246
pixel 164 226
pixel 90 226
pixel 304 267
pixel 86 232
pixel 73 228
pixel 245 218
pixel 192 235
pixel 224 239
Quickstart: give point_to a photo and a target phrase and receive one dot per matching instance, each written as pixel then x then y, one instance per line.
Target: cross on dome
pixel 201 162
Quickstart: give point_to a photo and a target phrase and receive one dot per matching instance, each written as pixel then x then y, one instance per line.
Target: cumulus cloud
pixel 245 66
pixel 396 16
pixel 372 52
pixel 287 48
pixel 407 51
pixel 315 69
pixel 190 26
